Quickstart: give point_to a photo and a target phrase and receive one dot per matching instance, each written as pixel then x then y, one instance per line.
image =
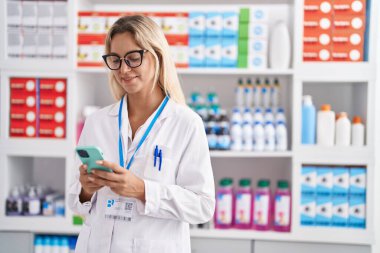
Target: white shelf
pixel 59 66
pixel 249 154
pixel 37 147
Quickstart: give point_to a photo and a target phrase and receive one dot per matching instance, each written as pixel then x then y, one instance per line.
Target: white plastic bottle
pixel 247 136
pixel 279 46
pixel 258 136
pixel 239 93
pixel 257 93
pixel 269 133
pixel 258 116
pixel 247 116
pixel 248 91
pixel 281 137
pixel 325 126
pixel 236 136
pixel 265 93
pixel 280 116
pixel 357 132
pixel 236 116
pixel 343 130
pixel 268 115
pixel 275 93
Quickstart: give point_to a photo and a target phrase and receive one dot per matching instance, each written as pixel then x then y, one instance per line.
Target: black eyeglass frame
pixel 141 52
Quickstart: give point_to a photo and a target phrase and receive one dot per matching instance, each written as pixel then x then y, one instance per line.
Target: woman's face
pixel 133 80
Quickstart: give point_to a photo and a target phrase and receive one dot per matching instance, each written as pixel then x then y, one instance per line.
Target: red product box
pixel 21 128
pixel 349 22
pixel 314 37
pixel 348 38
pixel 317 24
pixel 317 53
pixel 53 94
pixel 51 130
pixel 318 7
pixel 347 53
pixel 349 7
pixel 23 85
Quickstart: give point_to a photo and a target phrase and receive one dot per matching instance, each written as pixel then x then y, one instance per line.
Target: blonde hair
pixel 148 35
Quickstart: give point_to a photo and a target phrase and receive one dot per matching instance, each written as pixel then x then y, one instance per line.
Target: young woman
pixel 155 145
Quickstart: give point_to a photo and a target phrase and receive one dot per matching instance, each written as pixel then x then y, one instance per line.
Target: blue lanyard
pixel 121 153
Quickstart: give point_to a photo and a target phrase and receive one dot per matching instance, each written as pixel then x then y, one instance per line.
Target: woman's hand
pixel 89 187
pixel 122 181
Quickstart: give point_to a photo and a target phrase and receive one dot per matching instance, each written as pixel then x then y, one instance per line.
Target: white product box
pixel 175 25
pixel 257 61
pixel 229 52
pixel 197 23
pixel 341 181
pixel 44 43
pixel 180 55
pixel 340 212
pixel 258 31
pixel 358 181
pixel 29 14
pixel 357 218
pixel 60 14
pixel 196 52
pixel 230 24
pixel 15 42
pixel 214 24
pixel 14 13
pixel 308 211
pixel 308 180
pixel 29 45
pixel 258 15
pixel 324 211
pixel 213 52
pixel 59 44
pixel 324 181
pixel 112 19
pixel 45 13
pixel 258 46
pixel 92 24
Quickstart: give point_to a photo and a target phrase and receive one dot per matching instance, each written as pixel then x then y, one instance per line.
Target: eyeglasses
pixel 133 59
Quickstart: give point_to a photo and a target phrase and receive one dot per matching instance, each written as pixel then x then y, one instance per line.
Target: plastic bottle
pixel 236 116
pixel 281 137
pixel 308 120
pixel 248 91
pixel 258 116
pixel 55 245
pixel 14 203
pixel 38 245
pixel 269 133
pixel 247 136
pixel 262 206
pixel 343 130
pixel 269 115
pixel 275 93
pixel 257 93
pixel 357 132
pixel 282 207
pixel 64 245
pixel 325 126
pixel 280 116
pixel 224 204
pixel 47 244
pixel 244 205
pixel 212 97
pixel 60 206
pixel 236 136
pixel 239 93
pixel 31 203
pixel 265 93
pixel 224 139
pixel 258 136
pixel 72 243
pixel 279 46
pixel 247 115
pixel 211 135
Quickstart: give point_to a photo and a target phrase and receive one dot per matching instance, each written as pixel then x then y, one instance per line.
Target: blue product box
pixel 229 52
pixel 324 211
pixel 230 24
pixel 340 212
pixel 357 213
pixel 308 211
pixel 213 52
pixel 309 180
pixel 259 15
pixel 357 182
pixel 341 181
pixel 197 24
pixel 196 52
pixel 214 24
pixel 258 31
pixel 324 181
pixel 259 46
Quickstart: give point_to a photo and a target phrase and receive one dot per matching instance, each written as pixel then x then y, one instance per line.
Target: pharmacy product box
pixel 89 50
pixel 317 53
pixel 196 52
pixel 343 53
pixel 345 38
pixel 257 61
pixel 92 22
pixel 324 181
pixel 229 52
pixel 14 13
pixel 44 43
pixel 318 7
pixel 324 211
pixel 242 60
pixel 358 182
pixel 349 24
pixel 258 46
pixel 340 212
pixel 243 46
pixel 308 180
pixel 60 43
pixel 197 24
pixel 29 45
pixel 15 41
pixel 244 31
pixel 180 54
pixel 45 13
pixel 258 15
pixel 357 214
pixel 213 52
pixel 214 24
pixel 317 25
pixel 341 182
pixel 230 24
pixel 29 13
pixel 60 14
pixel 258 31
pixel 349 7
pixel 244 16
pixel 314 37
pixel 175 23
pixel 308 211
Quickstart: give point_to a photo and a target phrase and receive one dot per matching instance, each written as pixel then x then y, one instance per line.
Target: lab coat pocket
pixel 83 238
pixel 156 246
pixel 160 166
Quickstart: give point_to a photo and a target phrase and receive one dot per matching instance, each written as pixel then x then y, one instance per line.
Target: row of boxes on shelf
pixel 197 38
pixel 35 201
pixel 334 30
pixel 333 196
pixel 37 29
pixel 259 210
pixel 37 107
pixel 54 244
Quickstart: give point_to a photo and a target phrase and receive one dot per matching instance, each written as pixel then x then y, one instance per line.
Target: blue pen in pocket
pixel 155 155
pixel 160 156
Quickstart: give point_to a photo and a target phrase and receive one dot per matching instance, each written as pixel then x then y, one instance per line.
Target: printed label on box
pixel 214 24
pixel 309 180
pixel 324 211
pixel 230 24
pixel 340 212
pixel 341 181
pixel 197 24
pixel 358 181
pixel 196 52
pixel 357 218
pixel 308 211
pixel 324 181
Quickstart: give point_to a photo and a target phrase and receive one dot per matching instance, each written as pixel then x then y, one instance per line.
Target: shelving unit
pixel 89 86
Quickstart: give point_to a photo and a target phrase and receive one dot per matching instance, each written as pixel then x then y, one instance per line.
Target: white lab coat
pixel 181 193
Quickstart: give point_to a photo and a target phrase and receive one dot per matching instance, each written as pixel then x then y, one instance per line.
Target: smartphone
pixel 89 155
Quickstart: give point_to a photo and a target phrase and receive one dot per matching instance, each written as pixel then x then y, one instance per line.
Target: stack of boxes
pixel 333 197
pixel 334 30
pixel 37 108
pixel 37 29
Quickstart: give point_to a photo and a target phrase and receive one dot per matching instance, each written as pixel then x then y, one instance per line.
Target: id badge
pixel 119 209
